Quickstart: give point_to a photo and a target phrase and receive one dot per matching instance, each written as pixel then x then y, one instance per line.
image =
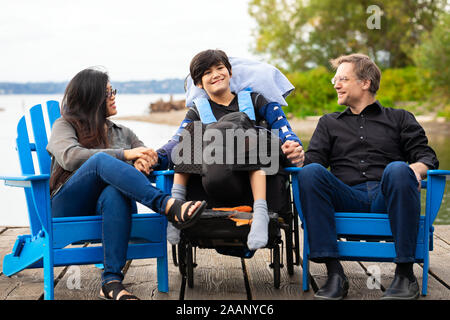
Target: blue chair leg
pixel 162 266
pixel 48 270
pixel 305 273
pixel 426 264
pixel 305 280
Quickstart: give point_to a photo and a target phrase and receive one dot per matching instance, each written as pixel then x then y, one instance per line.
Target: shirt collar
pixel 111 124
pixel 374 107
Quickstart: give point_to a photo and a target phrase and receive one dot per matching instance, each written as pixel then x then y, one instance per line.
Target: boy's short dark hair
pixel 205 60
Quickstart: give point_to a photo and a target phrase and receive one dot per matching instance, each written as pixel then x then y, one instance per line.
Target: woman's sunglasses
pixel 111 93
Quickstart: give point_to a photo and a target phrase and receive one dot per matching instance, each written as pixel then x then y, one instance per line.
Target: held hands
pixel 144 158
pixel 294 152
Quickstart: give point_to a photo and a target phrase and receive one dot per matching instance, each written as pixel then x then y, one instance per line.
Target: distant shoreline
pixel 304 127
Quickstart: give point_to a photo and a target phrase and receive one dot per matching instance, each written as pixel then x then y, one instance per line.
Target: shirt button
pixel 364 173
pixel 361 127
pixel 362 161
pixel 361 137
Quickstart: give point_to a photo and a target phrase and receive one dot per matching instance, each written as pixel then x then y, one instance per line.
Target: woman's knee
pixel 112 201
pixel 99 157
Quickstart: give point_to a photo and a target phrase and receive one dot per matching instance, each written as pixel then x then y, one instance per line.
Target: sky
pixel 50 40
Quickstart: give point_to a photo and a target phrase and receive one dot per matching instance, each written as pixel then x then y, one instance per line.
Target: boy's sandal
pixel 184 220
pixel 116 287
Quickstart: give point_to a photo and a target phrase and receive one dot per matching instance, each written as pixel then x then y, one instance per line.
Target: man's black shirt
pixel 357 147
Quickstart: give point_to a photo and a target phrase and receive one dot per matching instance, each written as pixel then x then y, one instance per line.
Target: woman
pixel 99 167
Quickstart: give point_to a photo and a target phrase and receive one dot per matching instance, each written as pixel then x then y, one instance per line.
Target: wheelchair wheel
pixel 186 261
pixel 276 265
pixel 289 249
pixel 295 230
pixel 182 258
pixel 189 266
pixel 174 255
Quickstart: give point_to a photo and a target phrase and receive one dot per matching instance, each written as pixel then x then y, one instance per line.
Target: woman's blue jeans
pixel 322 194
pixel 109 187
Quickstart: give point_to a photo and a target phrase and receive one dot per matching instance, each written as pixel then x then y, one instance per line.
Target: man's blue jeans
pixel 107 186
pixel 322 194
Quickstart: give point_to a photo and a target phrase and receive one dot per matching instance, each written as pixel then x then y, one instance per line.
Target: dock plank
pixel 261 280
pixel 27 284
pixel 220 277
pixel 217 277
pixel 436 291
pixel 141 280
pixel 81 282
pixel 357 277
pixel 440 256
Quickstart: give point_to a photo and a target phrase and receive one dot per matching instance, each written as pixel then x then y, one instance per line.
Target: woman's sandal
pixel 184 220
pixel 116 287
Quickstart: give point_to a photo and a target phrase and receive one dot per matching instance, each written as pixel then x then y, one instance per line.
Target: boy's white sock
pixel 173 234
pixel 259 230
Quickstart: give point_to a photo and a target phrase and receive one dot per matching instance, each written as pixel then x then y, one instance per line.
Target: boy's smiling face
pixel 215 80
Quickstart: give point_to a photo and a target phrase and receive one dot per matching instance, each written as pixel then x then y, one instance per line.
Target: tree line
pixel 171 86
pixel 408 39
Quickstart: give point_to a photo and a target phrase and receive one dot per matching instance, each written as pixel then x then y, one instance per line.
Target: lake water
pixel 13 210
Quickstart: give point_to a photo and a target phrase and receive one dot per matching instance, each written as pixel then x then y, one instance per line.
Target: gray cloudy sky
pixel 50 40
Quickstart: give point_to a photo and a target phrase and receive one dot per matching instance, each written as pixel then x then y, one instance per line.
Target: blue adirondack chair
pixel 372 226
pixel 46 246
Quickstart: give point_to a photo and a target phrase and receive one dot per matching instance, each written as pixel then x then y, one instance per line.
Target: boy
pixel 211 71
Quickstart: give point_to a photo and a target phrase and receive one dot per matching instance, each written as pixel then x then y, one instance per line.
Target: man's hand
pixel 420 170
pixel 294 152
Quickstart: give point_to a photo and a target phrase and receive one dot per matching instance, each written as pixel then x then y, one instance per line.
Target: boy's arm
pixel 273 113
pixel 165 152
pixel 276 119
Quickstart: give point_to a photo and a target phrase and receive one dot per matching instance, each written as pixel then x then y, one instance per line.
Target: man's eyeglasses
pixel 336 80
pixel 111 93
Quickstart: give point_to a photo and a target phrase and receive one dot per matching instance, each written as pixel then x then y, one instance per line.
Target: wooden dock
pixel 219 277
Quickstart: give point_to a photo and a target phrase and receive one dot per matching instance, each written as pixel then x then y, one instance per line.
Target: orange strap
pixel 238 208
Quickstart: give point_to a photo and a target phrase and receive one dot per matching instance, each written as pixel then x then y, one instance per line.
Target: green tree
pixel 301 34
pixel 434 52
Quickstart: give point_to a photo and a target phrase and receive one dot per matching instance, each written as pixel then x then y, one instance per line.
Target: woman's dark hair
pixel 205 60
pixel 84 107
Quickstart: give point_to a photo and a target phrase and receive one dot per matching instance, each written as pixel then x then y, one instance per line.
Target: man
pixel 367 148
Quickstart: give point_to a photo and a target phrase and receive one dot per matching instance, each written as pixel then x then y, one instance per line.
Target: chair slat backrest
pixel 40 138
pixel 25 148
pixel 53 111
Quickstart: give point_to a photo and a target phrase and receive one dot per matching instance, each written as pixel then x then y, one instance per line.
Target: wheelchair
pixel 215 230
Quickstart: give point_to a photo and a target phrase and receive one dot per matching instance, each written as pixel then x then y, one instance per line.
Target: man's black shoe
pixel 402 289
pixel 336 288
